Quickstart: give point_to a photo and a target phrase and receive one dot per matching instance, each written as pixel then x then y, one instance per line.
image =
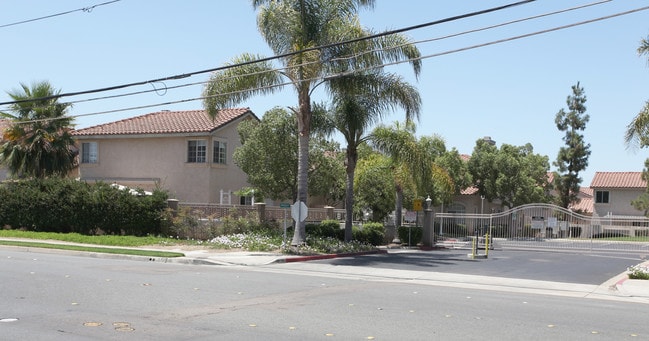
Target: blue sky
pixel 509 91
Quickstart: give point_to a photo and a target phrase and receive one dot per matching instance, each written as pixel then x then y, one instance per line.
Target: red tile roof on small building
pixel 469 190
pixel 585 204
pixel 166 122
pixel 618 180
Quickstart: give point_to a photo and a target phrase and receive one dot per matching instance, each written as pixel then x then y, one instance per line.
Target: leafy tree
pixel 484 169
pixel 295 30
pixel 513 175
pixel 457 168
pixel 268 156
pixel 362 100
pixel 39 143
pixel 574 157
pixel 374 187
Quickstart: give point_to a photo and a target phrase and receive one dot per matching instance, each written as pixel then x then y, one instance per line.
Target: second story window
pixel 89 152
pixel 220 152
pixel 601 197
pixel 197 151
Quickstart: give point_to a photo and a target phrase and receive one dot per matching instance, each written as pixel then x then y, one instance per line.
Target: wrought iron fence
pixel 268 213
pixel 545 226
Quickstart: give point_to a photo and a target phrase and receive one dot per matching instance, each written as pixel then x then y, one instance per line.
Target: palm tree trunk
pixel 303 127
pixel 352 157
pixel 397 213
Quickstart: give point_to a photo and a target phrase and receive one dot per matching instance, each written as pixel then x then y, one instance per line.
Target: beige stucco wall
pixel 619 203
pixel 473 204
pixel 147 161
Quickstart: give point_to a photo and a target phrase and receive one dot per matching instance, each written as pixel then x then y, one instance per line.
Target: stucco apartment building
pixel 185 152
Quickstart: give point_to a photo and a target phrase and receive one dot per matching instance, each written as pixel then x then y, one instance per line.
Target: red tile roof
pixel 618 180
pixel 469 191
pixel 166 122
pixel 585 204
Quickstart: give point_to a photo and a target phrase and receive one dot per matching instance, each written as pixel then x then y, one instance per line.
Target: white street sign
pixel 299 211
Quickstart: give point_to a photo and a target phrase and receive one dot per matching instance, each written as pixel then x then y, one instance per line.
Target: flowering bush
pixel 247 241
pixel 638 272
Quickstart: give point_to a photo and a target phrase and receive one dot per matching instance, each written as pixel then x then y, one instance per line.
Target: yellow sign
pixel 416 205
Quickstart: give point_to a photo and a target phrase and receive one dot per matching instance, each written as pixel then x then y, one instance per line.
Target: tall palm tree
pixel 39 143
pixel 295 29
pixel 637 132
pixel 361 101
pixel 413 162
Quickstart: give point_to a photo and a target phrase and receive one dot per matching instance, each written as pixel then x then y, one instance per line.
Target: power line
pixel 166 88
pixel 488 27
pixel 365 69
pixel 186 75
pixel 84 9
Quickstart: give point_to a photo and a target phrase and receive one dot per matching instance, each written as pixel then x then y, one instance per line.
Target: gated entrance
pixel 545 226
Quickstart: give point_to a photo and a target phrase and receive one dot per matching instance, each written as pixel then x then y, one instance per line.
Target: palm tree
pixel 637 132
pixel 294 30
pixel 39 143
pixel 362 100
pixel 413 162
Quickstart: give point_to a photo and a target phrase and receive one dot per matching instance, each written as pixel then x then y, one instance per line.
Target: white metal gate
pixel 545 226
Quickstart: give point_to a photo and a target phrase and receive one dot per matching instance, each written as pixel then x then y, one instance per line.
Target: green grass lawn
pixel 106 244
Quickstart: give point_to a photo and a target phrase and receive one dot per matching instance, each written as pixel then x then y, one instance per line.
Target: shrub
pixel 65 205
pixel 638 272
pixel 326 228
pixel 575 231
pixel 370 233
pixel 610 234
pixel 410 235
pixel 452 230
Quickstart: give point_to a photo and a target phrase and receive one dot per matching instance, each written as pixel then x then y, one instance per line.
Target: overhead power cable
pixel 84 9
pixel 186 75
pixel 165 88
pixel 361 70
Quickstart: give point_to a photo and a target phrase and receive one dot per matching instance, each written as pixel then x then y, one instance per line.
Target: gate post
pixel 261 211
pixel 428 237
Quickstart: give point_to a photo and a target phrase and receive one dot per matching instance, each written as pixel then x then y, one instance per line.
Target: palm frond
pixel 234 85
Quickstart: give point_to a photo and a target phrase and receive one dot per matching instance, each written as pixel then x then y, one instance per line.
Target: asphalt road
pixel 58 296
pixel 584 268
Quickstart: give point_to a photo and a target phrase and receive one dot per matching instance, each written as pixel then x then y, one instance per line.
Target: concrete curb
pixel 291 259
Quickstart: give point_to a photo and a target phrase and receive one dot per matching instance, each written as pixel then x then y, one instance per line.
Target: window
pixel 247 201
pixel 601 197
pixel 197 151
pixel 220 152
pixel 89 152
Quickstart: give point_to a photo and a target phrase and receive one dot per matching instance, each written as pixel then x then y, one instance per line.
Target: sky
pixel 510 91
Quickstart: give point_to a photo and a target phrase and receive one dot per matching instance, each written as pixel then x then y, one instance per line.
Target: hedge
pixel 66 205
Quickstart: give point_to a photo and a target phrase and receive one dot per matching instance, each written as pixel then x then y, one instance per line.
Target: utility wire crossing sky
pixel 504 73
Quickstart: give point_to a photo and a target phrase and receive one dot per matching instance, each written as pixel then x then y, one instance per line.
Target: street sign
pixel 284 205
pixel 416 205
pixel 299 211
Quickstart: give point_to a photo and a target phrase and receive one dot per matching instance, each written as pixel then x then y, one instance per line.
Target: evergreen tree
pixel 572 158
